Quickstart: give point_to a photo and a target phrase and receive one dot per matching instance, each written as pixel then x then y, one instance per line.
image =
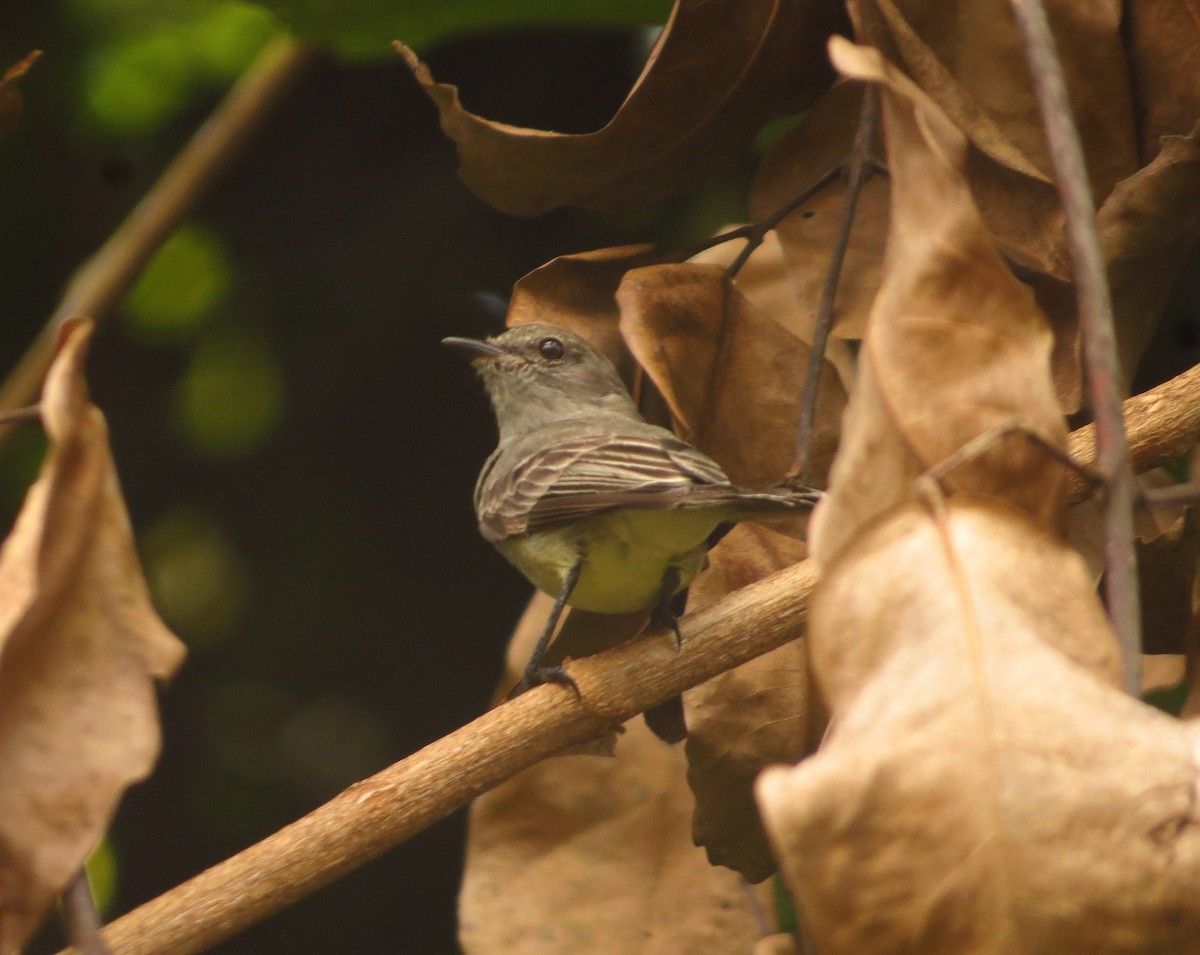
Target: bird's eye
pixel 551 349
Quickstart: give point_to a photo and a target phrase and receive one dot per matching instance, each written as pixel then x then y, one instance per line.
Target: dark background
pixel 323 566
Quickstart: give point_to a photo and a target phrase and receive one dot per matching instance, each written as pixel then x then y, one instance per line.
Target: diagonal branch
pixel 1099 337
pixel 393 805
pixel 100 283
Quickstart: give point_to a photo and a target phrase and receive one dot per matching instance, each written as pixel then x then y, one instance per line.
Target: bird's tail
pixel 778 498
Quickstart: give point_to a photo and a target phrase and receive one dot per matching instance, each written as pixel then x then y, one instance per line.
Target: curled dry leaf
pixel 587 854
pixel 80 646
pixel 10 95
pixel 730 375
pixel 720 70
pixel 1147 228
pixel 956 347
pixel 970 60
pixel 1168 543
pixel 986 786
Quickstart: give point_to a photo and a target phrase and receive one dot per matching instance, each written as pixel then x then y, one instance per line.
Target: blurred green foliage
pixel 231 396
pixel 156 57
pixel 355 27
pixel 180 287
pixel 199 581
pixel 101 869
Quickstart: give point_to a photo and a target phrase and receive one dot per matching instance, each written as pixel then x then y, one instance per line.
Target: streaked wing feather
pixel 589 474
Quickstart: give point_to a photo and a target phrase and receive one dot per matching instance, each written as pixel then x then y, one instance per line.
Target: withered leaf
pixel 821 142
pixel 955 348
pixel 1166 559
pixel 80 647
pixel 985 787
pixel 769 282
pixel 589 854
pixel 720 70
pixel 1147 228
pixel 970 60
pixel 1164 64
pixel 730 375
pixel 10 95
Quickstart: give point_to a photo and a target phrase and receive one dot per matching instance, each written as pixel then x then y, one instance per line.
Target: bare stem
pixel 861 168
pixel 100 283
pixel 756 232
pixel 384 810
pixel 83 921
pixel 1099 338
pixel 30 413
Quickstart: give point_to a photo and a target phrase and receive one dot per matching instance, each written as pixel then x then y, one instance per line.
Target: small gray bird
pixel 594 505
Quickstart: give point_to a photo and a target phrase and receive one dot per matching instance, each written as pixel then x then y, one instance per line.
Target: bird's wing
pixel 535 487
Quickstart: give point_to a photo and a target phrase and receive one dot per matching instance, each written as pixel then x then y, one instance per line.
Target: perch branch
pixel 100 283
pixel 1099 338
pixel 380 812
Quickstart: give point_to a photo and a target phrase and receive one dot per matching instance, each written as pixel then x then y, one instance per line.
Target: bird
pixel 594 505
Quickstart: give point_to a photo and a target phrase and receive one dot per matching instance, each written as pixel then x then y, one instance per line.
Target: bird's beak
pixel 474 347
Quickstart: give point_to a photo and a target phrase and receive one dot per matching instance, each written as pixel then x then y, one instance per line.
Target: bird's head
pixel 538 374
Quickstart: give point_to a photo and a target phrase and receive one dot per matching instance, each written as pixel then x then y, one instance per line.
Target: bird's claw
pixel 536 676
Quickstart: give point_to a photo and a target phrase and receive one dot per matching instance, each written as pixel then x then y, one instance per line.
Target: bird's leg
pixel 535 672
pixel 666 719
pixel 669 604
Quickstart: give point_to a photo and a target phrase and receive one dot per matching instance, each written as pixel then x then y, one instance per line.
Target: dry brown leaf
pixel 720 70
pixel 10 95
pixel 956 347
pixel 819 143
pixel 1163 38
pixel 730 375
pixel 781 944
pixel 588 854
pixel 80 647
pixel 1166 575
pixel 986 787
pixel 1147 228
pixel 970 60
pixel 753 716
pixel 769 283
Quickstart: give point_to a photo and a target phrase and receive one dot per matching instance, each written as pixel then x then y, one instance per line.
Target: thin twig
pixel 100 283
pixel 755 232
pixel 861 168
pixel 30 413
pixel 982 443
pixel 380 812
pixel 83 921
pixel 1176 494
pixel 1099 338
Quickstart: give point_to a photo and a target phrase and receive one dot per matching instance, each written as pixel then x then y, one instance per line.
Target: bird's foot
pixel 536 676
pixel 662 617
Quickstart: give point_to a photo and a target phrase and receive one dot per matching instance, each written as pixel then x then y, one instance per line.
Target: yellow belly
pixel 626 553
